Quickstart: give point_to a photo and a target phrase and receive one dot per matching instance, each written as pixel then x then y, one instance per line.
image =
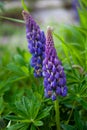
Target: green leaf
pixel 33 127
pixel 78 120
pixel 44 113
pixel 12 19
pixel 13 118
pixel 15 78
pixel 68 127
pixel 25 70
pixel 66 51
pixel 73 35
pixel 38 123
pixel 17 126
pixel 22 108
pixel 65 47
pixel 34 104
pixel 16 69
pixel 84 104
pixel 19 59
pixel 4 87
pixel 77 58
pixel 82 30
pixel 85 2
pixel 24 5
pixel 1 105
pixel 28 107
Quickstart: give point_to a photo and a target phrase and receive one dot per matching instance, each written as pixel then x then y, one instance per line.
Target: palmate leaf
pixel 32 127
pixel 44 113
pixel 19 60
pixel 4 87
pixel 29 111
pixel 72 75
pixel 32 105
pixel 22 58
pixel 22 108
pixel 83 89
pixel 38 123
pixel 84 104
pixel 14 118
pixel 28 108
pixel 18 126
pixel 34 99
pixel 79 85
pixel 15 78
pixel 68 127
pixel 14 68
pixel 73 81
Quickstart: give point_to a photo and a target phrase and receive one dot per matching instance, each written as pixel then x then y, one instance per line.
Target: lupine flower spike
pixel 53 71
pixel 36 43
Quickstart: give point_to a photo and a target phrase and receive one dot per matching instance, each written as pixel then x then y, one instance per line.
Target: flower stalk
pixel 57 116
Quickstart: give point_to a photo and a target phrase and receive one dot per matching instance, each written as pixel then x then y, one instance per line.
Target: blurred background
pixel 46 12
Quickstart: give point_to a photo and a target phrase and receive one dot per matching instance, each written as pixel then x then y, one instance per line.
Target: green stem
pixel 57 114
pixel 70 114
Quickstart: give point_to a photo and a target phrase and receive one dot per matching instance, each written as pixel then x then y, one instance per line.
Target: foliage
pixel 22 102
pixel 1 6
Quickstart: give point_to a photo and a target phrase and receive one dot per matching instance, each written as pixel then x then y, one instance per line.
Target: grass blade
pixel 12 19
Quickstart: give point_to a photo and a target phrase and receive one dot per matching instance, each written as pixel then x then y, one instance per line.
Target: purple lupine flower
pixel 53 71
pixel 36 43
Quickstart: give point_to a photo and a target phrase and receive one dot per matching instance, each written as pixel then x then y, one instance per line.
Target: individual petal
pixel 50 65
pixel 58 90
pixel 54 84
pixel 64 92
pixel 53 97
pixel 33 61
pixel 57 75
pixel 46 94
pixel 54 69
pixel 51 77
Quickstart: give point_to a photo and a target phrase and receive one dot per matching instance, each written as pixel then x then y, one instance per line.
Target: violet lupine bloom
pixel 53 71
pixel 36 43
